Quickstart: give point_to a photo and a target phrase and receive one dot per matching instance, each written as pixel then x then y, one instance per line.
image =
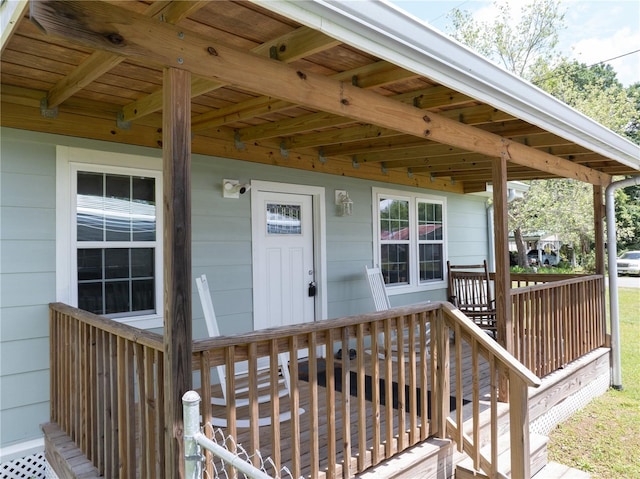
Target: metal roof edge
pixel 383 30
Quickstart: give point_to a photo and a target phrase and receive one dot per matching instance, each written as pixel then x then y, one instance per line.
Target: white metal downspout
pixel 612 255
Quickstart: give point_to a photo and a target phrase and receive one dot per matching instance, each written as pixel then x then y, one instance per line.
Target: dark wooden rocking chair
pixel 470 292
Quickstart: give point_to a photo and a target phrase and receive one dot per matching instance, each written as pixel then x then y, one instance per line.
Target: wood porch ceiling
pixel 52 83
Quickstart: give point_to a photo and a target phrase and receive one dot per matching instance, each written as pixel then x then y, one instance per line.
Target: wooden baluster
pixel 361 400
pixel 314 423
pixel 375 392
pixel 346 406
pixel 274 381
pixel 331 407
pixel 295 406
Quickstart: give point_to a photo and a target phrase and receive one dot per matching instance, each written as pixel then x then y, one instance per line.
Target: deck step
pixel 554 470
pixel 431 459
pixel 66 459
pixel 538 446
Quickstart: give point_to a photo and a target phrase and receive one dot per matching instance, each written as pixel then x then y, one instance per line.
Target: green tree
pixel 628 218
pixel 633 128
pixel 516 45
pixel 593 90
pixel 562 207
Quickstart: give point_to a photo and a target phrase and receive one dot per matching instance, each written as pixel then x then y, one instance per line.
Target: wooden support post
pixel 503 275
pixel 176 153
pixel 598 218
pixel 519 427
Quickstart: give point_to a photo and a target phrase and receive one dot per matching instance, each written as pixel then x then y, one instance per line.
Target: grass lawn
pixel 604 438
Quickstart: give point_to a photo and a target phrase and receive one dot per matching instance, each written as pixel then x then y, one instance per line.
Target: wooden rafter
pixel 101 62
pixel 84 22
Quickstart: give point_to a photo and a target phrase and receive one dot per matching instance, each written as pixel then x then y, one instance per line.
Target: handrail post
pixel 191 418
pixel 519 428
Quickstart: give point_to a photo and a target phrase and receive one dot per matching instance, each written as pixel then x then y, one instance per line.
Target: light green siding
pixel 221 249
pixel 27 276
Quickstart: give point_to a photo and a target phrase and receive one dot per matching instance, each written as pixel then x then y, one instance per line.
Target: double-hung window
pixel 115 241
pixel 410 239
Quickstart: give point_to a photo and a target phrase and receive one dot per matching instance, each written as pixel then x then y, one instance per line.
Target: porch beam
pixel 100 62
pixel 368 76
pixel 176 155
pixel 359 133
pixel 142 38
pixel 321 120
pixel 290 47
pixel 423 100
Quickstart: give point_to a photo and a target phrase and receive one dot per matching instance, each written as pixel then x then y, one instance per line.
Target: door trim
pixel 317 194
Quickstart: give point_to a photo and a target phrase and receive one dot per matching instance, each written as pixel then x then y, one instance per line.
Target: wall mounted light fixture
pixel 344 205
pixel 233 188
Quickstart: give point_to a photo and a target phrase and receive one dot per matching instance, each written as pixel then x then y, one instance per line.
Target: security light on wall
pixel 344 205
pixel 233 188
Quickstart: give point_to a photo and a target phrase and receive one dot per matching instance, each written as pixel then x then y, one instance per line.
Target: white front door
pixel 284 280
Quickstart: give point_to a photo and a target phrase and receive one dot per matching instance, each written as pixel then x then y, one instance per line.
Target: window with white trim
pixel 410 239
pixel 115 242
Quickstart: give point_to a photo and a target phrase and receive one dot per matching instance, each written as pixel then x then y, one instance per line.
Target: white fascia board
pixel 383 30
pixel 11 11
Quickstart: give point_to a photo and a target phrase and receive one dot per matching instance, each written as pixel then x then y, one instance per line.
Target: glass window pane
pixel 89 264
pixel 143 209
pixel 394 219
pixel 431 262
pixel 142 263
pixel 116 263
pixel 395 263
pixel 116 296
pixel 429 222
pixel 90 207
pixel 142 295
pixel 118 208
pixel 284 219
pixel 90 297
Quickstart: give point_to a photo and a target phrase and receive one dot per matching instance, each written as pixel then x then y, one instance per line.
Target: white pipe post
pixel 191 418
pixel 612 255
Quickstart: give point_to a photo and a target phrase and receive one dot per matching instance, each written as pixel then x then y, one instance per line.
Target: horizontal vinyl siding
pixel 27 275
pixel 467 229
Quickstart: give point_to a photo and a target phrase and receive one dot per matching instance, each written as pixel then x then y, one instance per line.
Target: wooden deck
pixel 108 384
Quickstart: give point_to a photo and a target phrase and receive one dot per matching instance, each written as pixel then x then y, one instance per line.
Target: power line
pixel 447 12
pixel 558 73
pixel 615 58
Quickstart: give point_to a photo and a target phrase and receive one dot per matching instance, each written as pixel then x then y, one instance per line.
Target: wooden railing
pixel 107 391
pixel 557 322
pixel 107 383
pixel 356 431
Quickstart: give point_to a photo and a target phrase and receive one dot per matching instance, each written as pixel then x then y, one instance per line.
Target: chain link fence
pixel 211 454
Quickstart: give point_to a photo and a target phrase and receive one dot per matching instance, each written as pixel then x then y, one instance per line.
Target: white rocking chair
pixel 382 303
pixel 241 371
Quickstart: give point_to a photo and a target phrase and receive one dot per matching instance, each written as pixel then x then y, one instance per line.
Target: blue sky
pixel 596 30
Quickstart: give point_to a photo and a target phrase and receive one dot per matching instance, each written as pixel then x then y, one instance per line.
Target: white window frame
pixel 69 161
pixel 414 284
